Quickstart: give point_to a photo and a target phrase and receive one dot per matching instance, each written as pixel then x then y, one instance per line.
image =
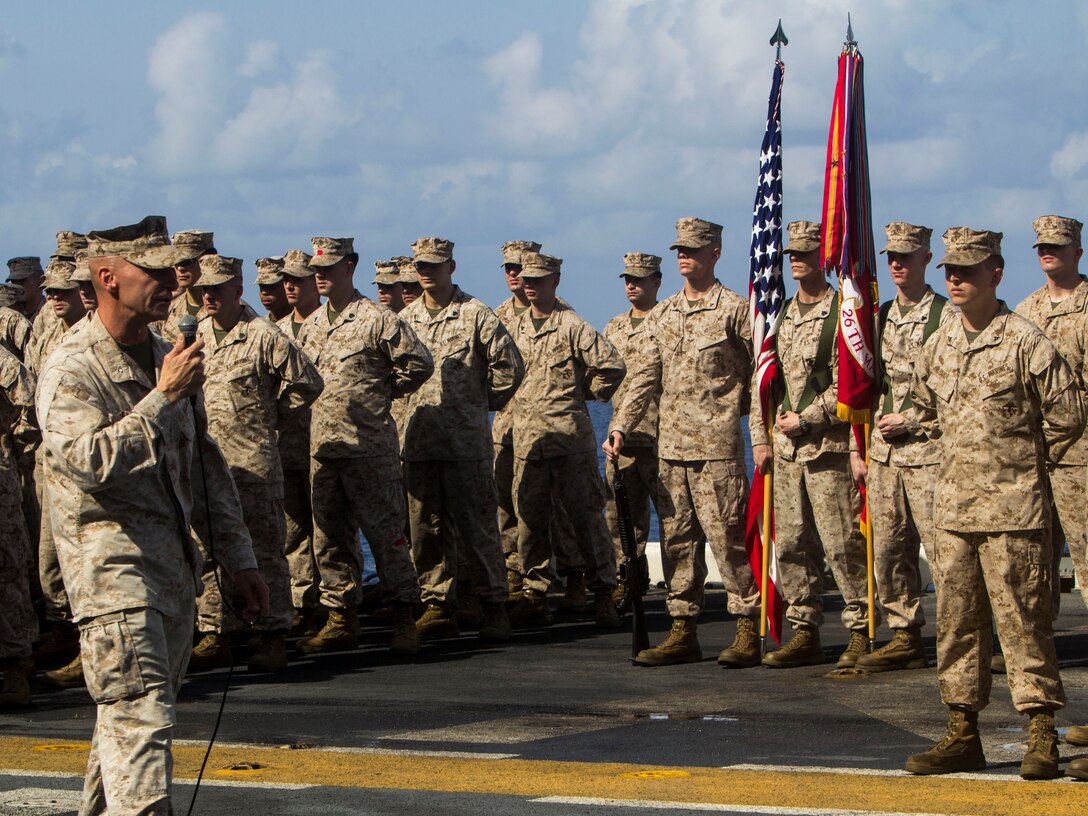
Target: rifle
pixel 630 567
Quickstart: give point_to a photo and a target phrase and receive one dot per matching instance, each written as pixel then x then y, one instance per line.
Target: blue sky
pixel 588 126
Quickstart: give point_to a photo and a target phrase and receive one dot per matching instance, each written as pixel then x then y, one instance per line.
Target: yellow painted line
pixel 593 780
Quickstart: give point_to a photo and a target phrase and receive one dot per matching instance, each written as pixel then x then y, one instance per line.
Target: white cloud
pixel 1071 157
pixel 261 56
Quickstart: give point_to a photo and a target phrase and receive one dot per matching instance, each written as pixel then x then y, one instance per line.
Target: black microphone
pixel 187 328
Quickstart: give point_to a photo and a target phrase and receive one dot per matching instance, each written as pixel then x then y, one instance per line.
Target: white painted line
pixel 771 810
pixel 866 772
pixel 42 774
pixel 245 783
pixel 333 749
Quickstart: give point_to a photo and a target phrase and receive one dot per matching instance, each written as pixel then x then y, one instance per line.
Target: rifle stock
pixel 630 567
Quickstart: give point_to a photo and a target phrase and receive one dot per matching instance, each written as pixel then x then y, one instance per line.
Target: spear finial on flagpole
pixel 850 43
pixel 778 39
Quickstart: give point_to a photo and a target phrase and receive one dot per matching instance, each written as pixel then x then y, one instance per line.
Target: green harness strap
pixel 819 378
pixel 932 323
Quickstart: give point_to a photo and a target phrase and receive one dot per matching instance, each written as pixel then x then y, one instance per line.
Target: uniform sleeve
pixel 412 362
pixel 643 383
pixel 922 414
pixel 604 364
pixel 19 383
pixel 1059 397
pixel 93 448
pixel 505 368
pixel 300 383
pixel 742 319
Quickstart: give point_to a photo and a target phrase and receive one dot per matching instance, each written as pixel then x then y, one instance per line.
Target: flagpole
pixel 870 557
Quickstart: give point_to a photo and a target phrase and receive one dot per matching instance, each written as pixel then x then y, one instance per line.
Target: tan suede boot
pixel 341 631
pixel 744 653
pixel 903 651
pixel 437 623
pixel 803 649
pixel 681 646
pixel 959 750
pixel 213 652
pixel 68 676
pixel 405 640
pixel 1041 760
pixel 857 646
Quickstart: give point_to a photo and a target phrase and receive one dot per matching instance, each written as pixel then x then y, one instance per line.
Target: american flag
pixel 766 299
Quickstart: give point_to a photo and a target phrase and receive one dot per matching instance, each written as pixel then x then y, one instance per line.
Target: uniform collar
pixel 117 364
pixel 992 335
pixel 919 312
pixel 707 302
pixel 551 323
pixel 349 313
pixel 238 333
pixel 820 309
pixel 1072 304
pixel 451 312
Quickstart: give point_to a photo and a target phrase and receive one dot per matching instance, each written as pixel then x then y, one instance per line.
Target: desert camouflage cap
pixel 194 242
pixel 511 251
pixel 386 273
pixel 217 269
pixel 804 236
pixel 1056 230
pixel 695 233
pixel 330 251
pixel 11 295
pixel 296 263
pixel 23 267
pixel 406 269
pixel 69 243
pixel 269 270
pixel 145 244
pixel 539 265
pixel 640 265
pixel 58 274
pixel 904 238
pixel 82 271
pixel 432 250
pixel 964 246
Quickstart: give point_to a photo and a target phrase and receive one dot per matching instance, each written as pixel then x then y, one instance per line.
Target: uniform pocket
pixel 111 666
pixel 243 387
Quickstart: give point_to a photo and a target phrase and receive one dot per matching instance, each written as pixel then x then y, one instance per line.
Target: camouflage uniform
pixel 698 358
pixel 1066 325
pixel 446 447
pixel 902 474
pixel 15 332
pixel 179 306
pixel 995 404
pixel 555 450
pixel 120 469
pixel 193 243
pixel 813 485
pixel 255 381
pixel 367 357
pixel 18 625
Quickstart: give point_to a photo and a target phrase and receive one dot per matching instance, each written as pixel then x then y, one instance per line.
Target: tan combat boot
pixel 1041 760
pixel 495 627
pixel 269 652
pixel 605 614
pixel 903 651
pixel 959 750
pixel 59 646
pixel 213 652
pixel 681 646
pixel 855 648
pixel 1077 735
pixel 305 623
pixel 744 653
pixel 405 640
pixel 68 676
pixel 574 597
pixel 437 623
pixel 1078 769
pixel 470 610
pixel 15 691
pixel 341 631
pixel 531 609
pixel 514 585
pixel 803 649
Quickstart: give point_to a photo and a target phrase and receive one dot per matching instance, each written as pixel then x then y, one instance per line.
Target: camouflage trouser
pixel 366 494
pixel 639 469
pixel 1067 483
pixel 134 662
pixel 451 511
pixel 32 511
pixel 561 531
pixel 1007 576
pixel 54 595
pixel 18 624
pixel 262 513
pixel 575 481
pixel 901 507
pixel 705 504
pixel 818 502
pixel 299 540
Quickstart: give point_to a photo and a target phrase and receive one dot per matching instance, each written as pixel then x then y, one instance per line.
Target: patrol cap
pixel 58 275
pixel 905 238
pixel 269 270
pixel 69 243
pixel 539 265
pixel 406 269
pixel 386 272
pixel 194 242
pixel 804 236
pixel 10 294
pixel 82 271
pixel 640 265
pixel 217 269
pixel 296 263
pixel 330 251
pixel 964 246
pixel 511 251
pixel 1056 230
pixel 145 244
pixel 432 250
pixel 23 267
pixel 696 233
